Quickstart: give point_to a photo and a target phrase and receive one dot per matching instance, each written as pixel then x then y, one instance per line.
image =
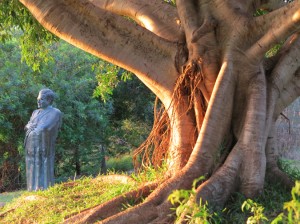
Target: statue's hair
pixel 50 95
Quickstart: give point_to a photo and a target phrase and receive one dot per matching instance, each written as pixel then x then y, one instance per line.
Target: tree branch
pixel 274 28
pixel 283 82
pixel 152 15
pixel 112 38
pixel 270 63
pixel 283 67
pixel 187 11
pixel 287 65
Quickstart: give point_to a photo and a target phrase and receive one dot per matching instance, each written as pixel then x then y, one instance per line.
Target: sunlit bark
pixel 152 16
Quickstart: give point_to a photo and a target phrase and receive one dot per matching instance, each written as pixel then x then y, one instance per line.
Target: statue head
pixel 45 98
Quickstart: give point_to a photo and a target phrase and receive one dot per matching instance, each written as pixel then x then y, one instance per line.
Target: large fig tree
pixel 206 62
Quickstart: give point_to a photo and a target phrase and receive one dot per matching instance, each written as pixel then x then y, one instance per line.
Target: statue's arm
pixel 30 126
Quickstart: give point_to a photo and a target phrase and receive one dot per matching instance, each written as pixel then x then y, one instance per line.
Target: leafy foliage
pixel 34 38
pixel 131 118
pixel 70 73
pixel 84 118
pixel 133 99
pixel 108 77
pixel 256 209
pixel 291 212
pixel 87 122
pixel 290 215
pixel 263 210
pixel 15 93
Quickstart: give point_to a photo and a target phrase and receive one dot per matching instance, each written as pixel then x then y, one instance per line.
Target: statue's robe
pixel 41 133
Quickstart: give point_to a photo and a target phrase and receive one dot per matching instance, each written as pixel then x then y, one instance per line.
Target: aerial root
pixel 218 188
pixel 145 213
pixel 111 207
pixel 166 215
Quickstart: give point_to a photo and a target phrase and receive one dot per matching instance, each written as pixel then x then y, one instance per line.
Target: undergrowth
pixel 275 205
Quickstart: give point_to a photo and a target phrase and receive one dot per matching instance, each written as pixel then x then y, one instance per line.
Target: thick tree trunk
pixel 205 60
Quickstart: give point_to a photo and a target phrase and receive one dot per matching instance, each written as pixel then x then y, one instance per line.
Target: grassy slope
pixel 52 205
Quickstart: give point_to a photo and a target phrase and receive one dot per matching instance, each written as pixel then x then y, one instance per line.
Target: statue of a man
pixel 41 133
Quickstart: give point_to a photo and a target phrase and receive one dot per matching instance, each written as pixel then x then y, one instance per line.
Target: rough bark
pixel 205 60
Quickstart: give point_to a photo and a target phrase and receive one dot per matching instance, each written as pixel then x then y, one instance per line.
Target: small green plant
pixel 256 209
pixel 291 214
pixel 189 210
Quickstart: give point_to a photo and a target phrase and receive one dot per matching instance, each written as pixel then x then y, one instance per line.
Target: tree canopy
pixel 74 82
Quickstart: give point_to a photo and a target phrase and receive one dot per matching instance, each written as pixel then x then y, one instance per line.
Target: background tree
pixel 205 61
pixel 89 124
pixel 131 118
pixel 85 118
pixel 13 114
